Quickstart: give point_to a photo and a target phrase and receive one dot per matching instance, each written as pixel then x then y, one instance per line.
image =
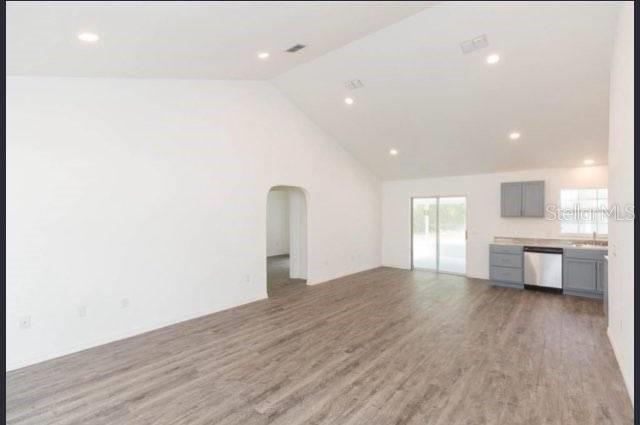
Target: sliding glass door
pixel 425 238
pixel 452 234
pixel 439 233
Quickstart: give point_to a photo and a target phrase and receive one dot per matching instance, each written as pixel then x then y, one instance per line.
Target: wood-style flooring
pixel 278 280
pixel 385 346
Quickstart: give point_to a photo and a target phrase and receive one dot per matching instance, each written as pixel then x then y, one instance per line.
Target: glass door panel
pixel 424 239
pixel 452 236
pixel 439 233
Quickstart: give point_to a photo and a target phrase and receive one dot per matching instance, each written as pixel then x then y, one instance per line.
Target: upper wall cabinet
pixel 533 199
pixel 522 199
pixel 511 199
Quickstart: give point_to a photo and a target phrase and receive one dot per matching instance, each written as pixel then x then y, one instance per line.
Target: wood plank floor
pixel 385 346
pixel 278 280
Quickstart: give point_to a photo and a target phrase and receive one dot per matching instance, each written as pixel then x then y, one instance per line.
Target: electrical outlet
pixel 25 322
pixel 82 310
pixel 124 303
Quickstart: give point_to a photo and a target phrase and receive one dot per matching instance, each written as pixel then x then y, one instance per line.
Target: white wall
pixel 621 248
pixel 156 190
pixel 277 222
pixel 298 233
pixel 483 210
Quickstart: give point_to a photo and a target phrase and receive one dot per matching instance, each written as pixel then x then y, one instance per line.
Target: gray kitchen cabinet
pixel 533 199
pixel 584 272
pixel 505 260
pixel 600 276
pixel 505 276
pixel 522 199
pixel 505 265
pixel 586 254
pixel 511 199
pixel 580 274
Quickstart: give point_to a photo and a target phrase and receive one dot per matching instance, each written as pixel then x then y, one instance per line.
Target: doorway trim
pixel 466 237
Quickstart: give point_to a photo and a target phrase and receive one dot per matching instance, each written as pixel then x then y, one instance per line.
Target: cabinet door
pixel 600 276
pixel 511 199
pixel 580 274
pixel 533 199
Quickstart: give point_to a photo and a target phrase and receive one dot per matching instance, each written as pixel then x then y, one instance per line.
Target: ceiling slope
pixel 200 39
pixel 449 113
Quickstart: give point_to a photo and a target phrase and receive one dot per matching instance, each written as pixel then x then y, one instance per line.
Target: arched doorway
pixel 286 260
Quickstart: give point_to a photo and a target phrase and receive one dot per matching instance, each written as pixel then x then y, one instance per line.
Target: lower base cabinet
pixel 583 272
pixel 505 266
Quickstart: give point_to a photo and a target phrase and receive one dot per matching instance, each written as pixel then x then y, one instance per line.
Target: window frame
pixel 597 199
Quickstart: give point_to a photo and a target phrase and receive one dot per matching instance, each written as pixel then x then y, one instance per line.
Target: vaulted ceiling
pixel 449 113
pixel 445 112
pixel 185 39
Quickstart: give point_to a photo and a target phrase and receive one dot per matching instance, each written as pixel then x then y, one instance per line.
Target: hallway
pixel 278 281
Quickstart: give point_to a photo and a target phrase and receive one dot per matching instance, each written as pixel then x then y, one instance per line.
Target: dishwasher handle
pixel 543 250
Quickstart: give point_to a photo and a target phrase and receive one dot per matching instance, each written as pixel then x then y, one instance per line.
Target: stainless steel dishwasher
pixel 543 267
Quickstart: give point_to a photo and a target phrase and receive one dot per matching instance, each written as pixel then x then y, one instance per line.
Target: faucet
pixel 594 238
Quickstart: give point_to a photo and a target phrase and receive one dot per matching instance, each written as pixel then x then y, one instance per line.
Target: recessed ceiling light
pixel 514 136
pixel 588 162
pixel 88 37
pixel 393 152
pixel 263 55
pixel 349 100
pixel 493 59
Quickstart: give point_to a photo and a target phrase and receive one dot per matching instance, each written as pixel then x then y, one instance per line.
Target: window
pixel 584 211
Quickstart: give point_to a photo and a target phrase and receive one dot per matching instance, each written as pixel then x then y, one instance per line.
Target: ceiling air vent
pixel 296 48
pixel 474 44
pixel 353 84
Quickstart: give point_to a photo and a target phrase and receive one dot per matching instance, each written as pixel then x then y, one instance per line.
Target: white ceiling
pixel 445 112
pixel 214 40
pixel 450 114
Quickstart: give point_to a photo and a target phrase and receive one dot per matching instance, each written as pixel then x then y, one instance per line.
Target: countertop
pixel 552 243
